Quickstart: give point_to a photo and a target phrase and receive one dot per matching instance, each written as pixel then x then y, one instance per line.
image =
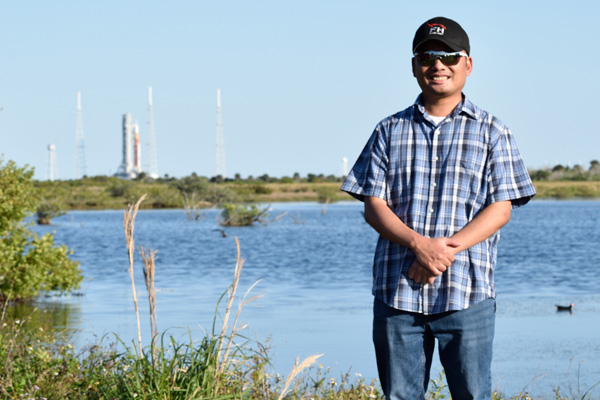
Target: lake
pixel 315 270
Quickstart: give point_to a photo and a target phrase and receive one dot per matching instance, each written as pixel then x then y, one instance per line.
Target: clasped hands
pixel 434 256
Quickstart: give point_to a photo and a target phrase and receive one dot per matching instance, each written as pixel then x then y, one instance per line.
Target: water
pixel 316 280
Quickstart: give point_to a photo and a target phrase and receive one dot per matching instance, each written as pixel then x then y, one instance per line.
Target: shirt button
pixel 434 184
pixel 437 132
pixel 435 158
pixel 431 210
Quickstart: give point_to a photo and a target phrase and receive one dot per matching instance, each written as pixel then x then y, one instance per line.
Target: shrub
pixel 47 210
pixel 261 189
pixel 242 214
pixel 121 188
pixel 202 190
pixel 28 263
pixel 327 194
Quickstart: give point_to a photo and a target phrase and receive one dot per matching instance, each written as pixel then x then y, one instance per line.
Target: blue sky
pixel 303 83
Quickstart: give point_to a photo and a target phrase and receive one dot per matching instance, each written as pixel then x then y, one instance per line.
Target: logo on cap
pixel 436 29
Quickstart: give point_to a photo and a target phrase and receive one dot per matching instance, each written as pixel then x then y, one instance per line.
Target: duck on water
pixel 564 308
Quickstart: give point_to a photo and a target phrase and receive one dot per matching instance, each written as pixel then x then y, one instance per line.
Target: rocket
pixel 137 149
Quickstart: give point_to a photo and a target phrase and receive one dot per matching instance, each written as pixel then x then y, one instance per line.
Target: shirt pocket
pixel 466 165
pixel 466 180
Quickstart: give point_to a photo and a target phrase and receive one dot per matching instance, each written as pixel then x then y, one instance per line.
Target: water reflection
pixel 43 313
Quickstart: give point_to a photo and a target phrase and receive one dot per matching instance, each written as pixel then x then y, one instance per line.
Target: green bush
pixel 242 214
pixel 261 189
pixel 28 263
pixel 121 188
pixel 202 190
pixel 47 210
pixel 327 194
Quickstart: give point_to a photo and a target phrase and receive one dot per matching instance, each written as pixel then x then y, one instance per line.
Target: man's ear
pixel 412 64
pixel 469 65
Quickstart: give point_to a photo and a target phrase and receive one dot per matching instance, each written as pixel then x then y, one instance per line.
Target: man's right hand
pixel 436 254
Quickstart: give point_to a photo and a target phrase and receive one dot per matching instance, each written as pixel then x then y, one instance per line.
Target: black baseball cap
pixel 442 30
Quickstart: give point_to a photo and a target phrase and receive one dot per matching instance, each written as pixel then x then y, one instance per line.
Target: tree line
pixel 566 173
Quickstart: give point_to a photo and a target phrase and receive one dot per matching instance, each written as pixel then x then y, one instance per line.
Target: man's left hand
pixel 420 274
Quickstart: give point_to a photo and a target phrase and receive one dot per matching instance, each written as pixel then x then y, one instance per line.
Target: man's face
pixel 440 81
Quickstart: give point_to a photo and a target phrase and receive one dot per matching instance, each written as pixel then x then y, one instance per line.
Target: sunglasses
pixel 428 58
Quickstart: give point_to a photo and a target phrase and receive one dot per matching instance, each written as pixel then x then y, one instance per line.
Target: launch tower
pixel 151 159
pixel 220 161
pixel 79 143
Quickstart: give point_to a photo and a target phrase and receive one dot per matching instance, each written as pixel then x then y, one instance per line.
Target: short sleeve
pixel 508 178
pixel 368 176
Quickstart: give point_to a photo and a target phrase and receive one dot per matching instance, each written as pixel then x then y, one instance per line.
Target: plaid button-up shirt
pixel 436 179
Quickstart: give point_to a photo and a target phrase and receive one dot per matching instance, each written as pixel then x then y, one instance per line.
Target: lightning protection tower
pixel 79 143
pixel 151 159
pixel 220 162
pixel 52 170
pixel 344 166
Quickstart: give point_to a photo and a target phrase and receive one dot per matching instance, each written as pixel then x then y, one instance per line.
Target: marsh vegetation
pixel 194 193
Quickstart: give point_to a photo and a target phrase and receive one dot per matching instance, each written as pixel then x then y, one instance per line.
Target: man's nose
pixel 438 64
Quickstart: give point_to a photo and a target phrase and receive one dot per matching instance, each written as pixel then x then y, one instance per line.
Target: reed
pixel 296 369
pixel 231 291
pixel 576 389
pixel 149 257
pixel 218 366
pixel 129 222
pixel 245 301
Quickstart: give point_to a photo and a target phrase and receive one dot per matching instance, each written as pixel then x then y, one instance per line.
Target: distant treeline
pixel 296 178
pixel 564 173
pixel 109 192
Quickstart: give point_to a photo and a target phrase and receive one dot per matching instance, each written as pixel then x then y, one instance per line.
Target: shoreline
pixel 106 193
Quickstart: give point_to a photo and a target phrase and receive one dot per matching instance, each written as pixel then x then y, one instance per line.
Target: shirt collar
pixel 464 107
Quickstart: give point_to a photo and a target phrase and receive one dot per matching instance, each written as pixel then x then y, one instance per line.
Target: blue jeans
pixel 404 344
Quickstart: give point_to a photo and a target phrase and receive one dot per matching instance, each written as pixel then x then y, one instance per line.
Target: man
pixel 438 181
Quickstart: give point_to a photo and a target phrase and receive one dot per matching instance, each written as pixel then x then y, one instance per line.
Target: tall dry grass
pixel 149 258
pixel 129 223
pixel 296 369
pixel 221 365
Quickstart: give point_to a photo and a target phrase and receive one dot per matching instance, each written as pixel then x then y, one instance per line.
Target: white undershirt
pixel 437 120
